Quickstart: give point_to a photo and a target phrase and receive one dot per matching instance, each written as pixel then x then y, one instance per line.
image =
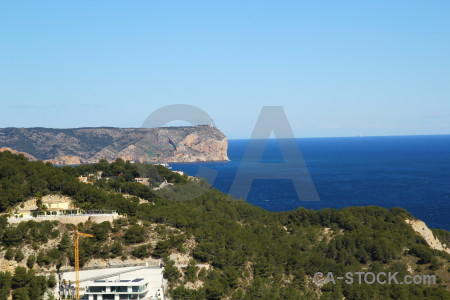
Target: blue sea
pixel 412 172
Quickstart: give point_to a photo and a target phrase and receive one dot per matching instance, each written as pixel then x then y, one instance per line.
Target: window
pixel 97 289
pixel 128 297
pixel 108 297
pixel 119 289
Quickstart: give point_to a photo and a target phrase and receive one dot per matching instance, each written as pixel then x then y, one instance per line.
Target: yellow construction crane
pixel 76 238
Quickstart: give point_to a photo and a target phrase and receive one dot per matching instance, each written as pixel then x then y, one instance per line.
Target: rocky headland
pixel 89 145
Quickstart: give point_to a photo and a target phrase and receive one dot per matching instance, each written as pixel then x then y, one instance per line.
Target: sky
pixel 338 68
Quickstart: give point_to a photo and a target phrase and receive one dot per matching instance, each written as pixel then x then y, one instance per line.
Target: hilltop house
pixel 143 180
pixel 59 208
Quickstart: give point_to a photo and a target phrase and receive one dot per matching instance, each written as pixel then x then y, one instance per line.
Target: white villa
pixel 129 283
pixel 59 208
pixel 143 180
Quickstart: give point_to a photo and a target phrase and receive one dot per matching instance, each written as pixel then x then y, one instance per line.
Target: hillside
pixel 234 250
pixel 89 145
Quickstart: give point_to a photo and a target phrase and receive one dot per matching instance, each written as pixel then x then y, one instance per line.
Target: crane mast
pixel 76 239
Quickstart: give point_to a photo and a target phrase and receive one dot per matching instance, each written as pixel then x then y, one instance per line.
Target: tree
pixel 21 294
pixel 171 272
pixel 51 297
pixel 423 253
pixel 141 251
pixel 182 293
pixel 52 281
pixel 31 261
pixel 53 254
pixel 101 231
pixel 19 256
pixel 190 272
pixel 65 242
pixel 21 277
pixel 9 254
pixel 116 250
pixel 161 250
pixel 38 285
pixel 42 259
pixel 12 236
pixel 135 235
pixel 214 288
pixel 5 285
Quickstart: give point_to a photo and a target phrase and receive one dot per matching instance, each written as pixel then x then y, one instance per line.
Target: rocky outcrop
pixel 422 229
pixel 89 145
pixel 30 157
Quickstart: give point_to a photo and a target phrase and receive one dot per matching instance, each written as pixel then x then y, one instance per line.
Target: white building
pixel 136 283
pixel 143 180
pixel 64 216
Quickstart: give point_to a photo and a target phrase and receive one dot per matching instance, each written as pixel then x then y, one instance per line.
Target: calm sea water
pixel 412 172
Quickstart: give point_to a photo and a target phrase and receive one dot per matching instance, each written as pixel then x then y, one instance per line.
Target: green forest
pixel 254 254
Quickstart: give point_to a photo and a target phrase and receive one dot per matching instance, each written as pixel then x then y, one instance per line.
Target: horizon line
pixel 349 136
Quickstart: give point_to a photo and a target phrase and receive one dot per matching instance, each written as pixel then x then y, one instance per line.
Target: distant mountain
pixel 89 145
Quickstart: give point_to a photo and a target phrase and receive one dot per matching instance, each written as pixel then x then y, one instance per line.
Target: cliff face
pixel 89 145
pixel 422 229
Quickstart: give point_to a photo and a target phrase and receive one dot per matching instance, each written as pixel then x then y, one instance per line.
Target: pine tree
pixel 31 261
pixel 65 242
pixel 9 255
pixel 19 256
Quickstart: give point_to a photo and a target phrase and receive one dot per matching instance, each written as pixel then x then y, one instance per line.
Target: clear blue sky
pixel 339 68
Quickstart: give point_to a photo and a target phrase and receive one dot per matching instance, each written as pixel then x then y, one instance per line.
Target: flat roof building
pixel 143 180
pixel 129 283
